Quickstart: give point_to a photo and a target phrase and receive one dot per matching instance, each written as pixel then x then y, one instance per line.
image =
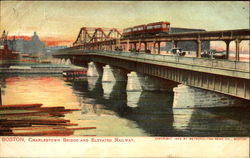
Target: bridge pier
pixel 68 62
pixel 191 97
pixel 140 82
pixel 62 62
pixel 110 77
pixel 94 70
pixel 111 74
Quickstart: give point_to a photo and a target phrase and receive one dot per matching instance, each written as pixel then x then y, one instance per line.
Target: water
pixel 115 112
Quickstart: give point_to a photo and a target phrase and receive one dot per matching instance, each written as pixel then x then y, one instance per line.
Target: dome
pixel 35 37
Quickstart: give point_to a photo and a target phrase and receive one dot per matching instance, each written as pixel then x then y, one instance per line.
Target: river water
pixel 115 112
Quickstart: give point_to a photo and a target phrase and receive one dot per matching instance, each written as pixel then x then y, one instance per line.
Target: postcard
pixel 125 79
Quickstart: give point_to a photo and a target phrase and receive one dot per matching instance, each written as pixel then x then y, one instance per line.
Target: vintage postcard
pixel 125 79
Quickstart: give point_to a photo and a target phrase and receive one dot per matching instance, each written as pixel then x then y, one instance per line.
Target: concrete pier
pixel 111 74
pixel 141 82
pixel 63 61
pixel 191 97
pixel 110 77
pixel 68 62
pixel 94 70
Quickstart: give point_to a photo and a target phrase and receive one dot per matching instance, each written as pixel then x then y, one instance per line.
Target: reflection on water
pixel 212 121
pixel 115 112
pixel 133 98
pixel 92 81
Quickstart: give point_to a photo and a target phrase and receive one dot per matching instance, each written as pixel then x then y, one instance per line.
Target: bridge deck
pixel 214 66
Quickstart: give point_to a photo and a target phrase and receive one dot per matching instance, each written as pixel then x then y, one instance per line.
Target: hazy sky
pixel 62 19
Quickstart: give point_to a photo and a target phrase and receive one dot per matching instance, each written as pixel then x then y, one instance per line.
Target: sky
pixel 60 21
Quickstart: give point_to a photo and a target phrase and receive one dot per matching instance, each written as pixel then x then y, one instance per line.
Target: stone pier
pixel 141 82
pixel 68 62
pixel 111 74
pixel 110 77
pixel 191 97
pixel 94 70
pixel 63 61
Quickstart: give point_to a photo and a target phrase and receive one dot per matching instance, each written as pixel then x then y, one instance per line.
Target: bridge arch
pixel 114 34
pixel 98 36
pixel 83 37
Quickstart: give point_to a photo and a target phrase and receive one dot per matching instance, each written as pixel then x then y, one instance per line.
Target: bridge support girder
pixel 191 97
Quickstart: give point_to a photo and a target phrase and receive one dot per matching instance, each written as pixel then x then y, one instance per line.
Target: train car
pixel 127 32
pixel 138 30
pixel 156 28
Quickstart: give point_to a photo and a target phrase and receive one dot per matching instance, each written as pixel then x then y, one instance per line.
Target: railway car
pixel 127 32
pixel 156 28
pixel 138 30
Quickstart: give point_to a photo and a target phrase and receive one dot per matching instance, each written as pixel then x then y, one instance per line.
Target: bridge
pixel 196 81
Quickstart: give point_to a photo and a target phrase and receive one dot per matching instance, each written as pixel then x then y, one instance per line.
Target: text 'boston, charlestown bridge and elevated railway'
pixel 190 67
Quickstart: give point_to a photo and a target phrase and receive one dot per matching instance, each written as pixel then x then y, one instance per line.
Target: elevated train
pixel 147 29
pixel 163 28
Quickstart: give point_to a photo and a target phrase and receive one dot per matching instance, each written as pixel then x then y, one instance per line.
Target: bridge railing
pixel 205 62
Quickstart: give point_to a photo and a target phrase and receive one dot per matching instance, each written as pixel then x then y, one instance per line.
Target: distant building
pixel 33 46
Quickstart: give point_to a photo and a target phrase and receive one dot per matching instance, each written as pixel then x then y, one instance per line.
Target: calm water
pixel 115 112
